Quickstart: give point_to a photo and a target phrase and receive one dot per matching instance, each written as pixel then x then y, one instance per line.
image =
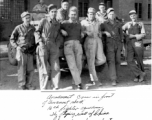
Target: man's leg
pixel 70 57
pixel 30 72
pixel 131 62
pixel 55 66
pixel 111 63
pixel 78 55
pixel 22 71
pixel 42 58
pixel 118 61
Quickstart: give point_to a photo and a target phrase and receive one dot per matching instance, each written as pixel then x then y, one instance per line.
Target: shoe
pixel 79 87
pixel 91 83
pixel 97 83
pixel 55 88
pixel 114 83
pixel 23 87
pixel 30 87
pixel 142 76
pixel 136 79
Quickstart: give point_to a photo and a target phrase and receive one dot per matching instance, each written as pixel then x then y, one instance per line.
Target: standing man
pixel 23 40
pixel 47 50
pixel 72 47
pixel 135 32
pixel 62 13
pixel 93 45
pixel 40 6
pixel 41 9
pixel 113 30
pixel 101 15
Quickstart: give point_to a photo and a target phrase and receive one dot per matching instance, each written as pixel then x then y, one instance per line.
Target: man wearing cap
pixel 101 15
pixel 48 50
pixel 93 45
pixel 22 38
pixel 113 30
pixel 62 13
pixel 71 29
pixel 135 32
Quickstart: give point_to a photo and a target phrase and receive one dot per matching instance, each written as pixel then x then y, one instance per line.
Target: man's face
pixel 41 1
pixel 111 15
pixel 65 5
pixel 133 17
pixel 26 19
pixel 73 15
pixel 91 16
pixel 52 13
pixel 101 8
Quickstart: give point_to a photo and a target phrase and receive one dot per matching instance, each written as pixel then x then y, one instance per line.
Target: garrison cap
pixel 62 1
pixel 91 10
pixel 110 10
pixel 24 14
pixel 51 6
pixel 102 3
pixel 132 12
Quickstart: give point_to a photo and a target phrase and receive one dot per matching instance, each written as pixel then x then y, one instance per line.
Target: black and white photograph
pixel 75 52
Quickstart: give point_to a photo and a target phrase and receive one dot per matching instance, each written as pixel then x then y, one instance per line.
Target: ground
pixel 8 77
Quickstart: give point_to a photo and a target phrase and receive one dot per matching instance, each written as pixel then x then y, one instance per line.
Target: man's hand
pixel 131 36
pixel 82 35
pixel 107 34
pixel 41 44
pixel 138 36
pixel 89 33
pixel 64 33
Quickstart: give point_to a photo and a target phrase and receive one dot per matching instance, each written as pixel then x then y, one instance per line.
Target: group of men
pixel 102 34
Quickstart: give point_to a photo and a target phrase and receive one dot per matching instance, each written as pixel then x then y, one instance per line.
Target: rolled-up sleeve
pixel 14 37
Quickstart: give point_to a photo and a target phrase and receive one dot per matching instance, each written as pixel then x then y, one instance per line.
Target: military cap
pixel 110 10
pixel 132 12
pixel 91 10
pixel 102 3
pixel 24 14
pixel 62 1
pixel 51 6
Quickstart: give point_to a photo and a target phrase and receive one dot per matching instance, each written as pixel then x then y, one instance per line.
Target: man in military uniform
pixel 101 15
pixel 23 40
pixel 113 30
pixel 71 29
pixel 48 50
pixel 62 13
pixel 135 32
pixel 93 45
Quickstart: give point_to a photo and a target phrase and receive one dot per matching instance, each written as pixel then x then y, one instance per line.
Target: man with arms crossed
pixel 135 32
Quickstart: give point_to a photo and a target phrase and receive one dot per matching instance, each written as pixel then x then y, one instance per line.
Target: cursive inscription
pixel 73 106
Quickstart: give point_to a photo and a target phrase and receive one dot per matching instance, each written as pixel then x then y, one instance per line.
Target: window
pixel 5 9
pixel 83 8
pixel 138 8
pixel 149 11
pixel 12 9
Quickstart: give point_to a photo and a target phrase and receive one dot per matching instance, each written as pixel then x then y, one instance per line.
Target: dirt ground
pixel 8 77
